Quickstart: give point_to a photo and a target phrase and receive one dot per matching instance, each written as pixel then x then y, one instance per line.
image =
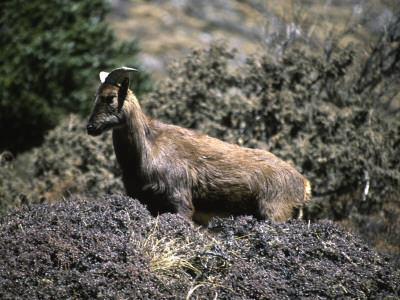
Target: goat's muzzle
pixel 92 130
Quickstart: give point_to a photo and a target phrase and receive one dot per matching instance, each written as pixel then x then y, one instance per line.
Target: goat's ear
pixel 123 90
pixel 103 76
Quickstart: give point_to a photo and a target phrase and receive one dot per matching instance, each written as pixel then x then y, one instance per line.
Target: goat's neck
pixel 134 135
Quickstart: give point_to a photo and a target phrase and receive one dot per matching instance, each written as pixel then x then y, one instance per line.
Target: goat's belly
pixel 203 218
pixel 224 206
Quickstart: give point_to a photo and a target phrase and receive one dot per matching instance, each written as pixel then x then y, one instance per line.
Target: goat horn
pixel 114 75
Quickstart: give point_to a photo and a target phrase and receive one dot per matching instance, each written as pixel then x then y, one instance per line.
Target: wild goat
pixel 172 169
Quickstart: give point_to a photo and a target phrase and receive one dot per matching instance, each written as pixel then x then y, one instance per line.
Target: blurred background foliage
pixel 324 103
pixel 50 55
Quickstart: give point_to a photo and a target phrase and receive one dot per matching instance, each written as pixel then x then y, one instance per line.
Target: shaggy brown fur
pixel 172 169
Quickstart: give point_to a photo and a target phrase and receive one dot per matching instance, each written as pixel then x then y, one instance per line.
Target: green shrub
pixel 10 184
pixel 50 57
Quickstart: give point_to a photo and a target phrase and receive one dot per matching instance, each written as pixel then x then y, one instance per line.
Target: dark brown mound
pixel 105 250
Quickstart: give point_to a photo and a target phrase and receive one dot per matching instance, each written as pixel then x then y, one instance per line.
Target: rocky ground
pixel 112 248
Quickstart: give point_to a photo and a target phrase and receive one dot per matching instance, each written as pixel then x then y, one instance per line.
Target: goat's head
pixel 107 111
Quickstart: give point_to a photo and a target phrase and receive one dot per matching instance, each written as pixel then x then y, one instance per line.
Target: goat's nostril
pixel 89 128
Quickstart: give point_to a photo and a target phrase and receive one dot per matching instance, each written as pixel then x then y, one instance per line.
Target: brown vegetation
pixel 112 248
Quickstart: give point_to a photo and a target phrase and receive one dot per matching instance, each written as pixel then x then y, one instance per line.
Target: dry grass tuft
pixel 168 255
pixel 200 264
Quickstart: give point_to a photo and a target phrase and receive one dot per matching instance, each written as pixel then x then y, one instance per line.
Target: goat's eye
pixel 109 99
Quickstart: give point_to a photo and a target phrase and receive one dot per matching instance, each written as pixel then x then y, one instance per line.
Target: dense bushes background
pixel 50 56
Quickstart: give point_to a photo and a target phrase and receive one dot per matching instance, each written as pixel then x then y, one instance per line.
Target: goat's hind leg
pixel 276 211
pixel 181 201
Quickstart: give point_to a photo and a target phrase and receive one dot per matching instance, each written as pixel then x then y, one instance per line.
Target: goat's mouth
pixel 93 130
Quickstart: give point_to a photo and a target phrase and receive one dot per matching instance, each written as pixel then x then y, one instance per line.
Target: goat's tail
pixel 307 192
pixel 298 213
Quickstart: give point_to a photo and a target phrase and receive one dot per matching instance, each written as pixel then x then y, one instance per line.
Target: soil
pixel 112 248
